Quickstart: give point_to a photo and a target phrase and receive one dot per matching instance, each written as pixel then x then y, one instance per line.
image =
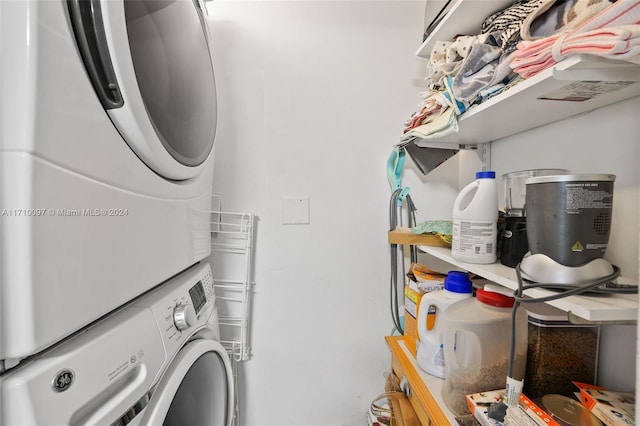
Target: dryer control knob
pixel 183 316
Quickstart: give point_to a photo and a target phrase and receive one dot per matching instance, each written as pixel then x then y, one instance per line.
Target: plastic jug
pixel 477 335
pixel 475 221
pixel 430 353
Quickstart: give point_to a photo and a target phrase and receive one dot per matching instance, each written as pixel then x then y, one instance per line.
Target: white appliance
pixel 107 118
pixel 155 361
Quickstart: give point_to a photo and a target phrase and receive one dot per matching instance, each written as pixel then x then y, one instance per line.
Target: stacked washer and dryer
pixel 107 307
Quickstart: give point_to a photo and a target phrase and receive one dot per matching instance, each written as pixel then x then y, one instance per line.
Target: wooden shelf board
pixel 427 388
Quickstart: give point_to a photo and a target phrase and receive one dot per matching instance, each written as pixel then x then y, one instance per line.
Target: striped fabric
pixel 507 23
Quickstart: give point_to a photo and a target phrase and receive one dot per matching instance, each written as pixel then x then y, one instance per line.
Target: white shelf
pixel 619 307
pixel 523 106
pixel 526 105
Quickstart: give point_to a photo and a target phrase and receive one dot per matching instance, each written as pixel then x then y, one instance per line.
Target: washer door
pixel 150 65
pixel 196 389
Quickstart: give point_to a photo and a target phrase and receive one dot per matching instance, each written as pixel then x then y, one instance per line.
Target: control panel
pixel 183 304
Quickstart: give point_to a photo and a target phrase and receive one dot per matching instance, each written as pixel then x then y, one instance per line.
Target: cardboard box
pixel 612 408
pixel 426 281
pixel 527 413
pixel 412 297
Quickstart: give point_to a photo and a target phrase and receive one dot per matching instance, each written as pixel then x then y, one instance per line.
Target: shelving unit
pixel 232 261
pixel 545 98
pixel 619 307
pixel 535 101
pixel 425 393
pixel 577 85
pixel 232 246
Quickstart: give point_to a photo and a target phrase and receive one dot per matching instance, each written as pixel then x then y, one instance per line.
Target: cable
pixel 394 207
pixel 580 288
pixel 413 250
pixel 518 295
pixel 393 288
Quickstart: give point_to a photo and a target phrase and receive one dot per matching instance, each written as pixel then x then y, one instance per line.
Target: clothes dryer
pixel 155 361
pixel 107 117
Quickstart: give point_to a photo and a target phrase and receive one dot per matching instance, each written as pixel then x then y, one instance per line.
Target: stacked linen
pixel 613 33
pixel 514 43
pixel 468 70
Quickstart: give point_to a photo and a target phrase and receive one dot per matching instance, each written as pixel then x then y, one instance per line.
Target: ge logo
pixel 62 380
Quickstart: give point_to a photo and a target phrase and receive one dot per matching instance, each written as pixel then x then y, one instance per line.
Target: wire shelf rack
pixel 232 237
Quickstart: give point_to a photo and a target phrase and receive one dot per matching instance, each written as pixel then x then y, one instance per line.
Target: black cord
pixel 518 295
pixel 583 287
pixel 393 288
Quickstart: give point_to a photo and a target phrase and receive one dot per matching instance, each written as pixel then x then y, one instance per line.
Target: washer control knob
pixel 183 316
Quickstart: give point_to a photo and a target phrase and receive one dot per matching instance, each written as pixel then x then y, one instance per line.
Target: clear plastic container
pixel 515 188
pixel 477 337
pixel 559 352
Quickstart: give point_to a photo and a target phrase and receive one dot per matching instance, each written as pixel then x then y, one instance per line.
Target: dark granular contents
pixel 556 356
pixel 466 381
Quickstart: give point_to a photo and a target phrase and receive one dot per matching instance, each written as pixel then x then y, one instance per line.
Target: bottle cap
pixel 494 299
pixel 458 282
pixel 489 174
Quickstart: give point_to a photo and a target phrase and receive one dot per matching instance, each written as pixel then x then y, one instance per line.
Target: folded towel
pixel 442 125
pixel 612 33
pixel 555 16
pixel 618 43
pixel 486 65
pixel 441 228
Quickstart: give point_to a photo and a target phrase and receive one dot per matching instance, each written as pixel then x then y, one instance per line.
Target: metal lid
pixel 591 177
pixel 569 411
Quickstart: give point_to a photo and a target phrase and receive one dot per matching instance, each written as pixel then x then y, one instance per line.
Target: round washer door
pixel 150 65
pixel 196 389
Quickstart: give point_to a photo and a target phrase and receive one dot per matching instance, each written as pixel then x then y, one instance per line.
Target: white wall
pixel 312 95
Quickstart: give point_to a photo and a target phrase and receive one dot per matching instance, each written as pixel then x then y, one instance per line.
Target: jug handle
pixel 462 195
pixel 469 336
pixel 422 318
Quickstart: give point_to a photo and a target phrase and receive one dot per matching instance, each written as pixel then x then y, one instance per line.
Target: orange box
pixel 526 413
pixel 612 408
pixel 412 298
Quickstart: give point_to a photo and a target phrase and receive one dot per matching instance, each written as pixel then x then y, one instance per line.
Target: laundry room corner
pixel 311 97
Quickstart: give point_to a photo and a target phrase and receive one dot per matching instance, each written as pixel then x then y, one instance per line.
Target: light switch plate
pixel 295 210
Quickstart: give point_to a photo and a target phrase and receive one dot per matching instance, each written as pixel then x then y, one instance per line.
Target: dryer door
pixel 196 389
pixel 150 65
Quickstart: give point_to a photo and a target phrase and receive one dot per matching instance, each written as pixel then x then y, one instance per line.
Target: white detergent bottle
pixel 475 221
pixel 430 350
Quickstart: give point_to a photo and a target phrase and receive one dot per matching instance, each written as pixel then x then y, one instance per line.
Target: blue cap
pixel 458 282
pixel 486 175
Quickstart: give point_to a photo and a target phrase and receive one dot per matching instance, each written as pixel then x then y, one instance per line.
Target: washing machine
pixel 107 125
pixel 155 361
